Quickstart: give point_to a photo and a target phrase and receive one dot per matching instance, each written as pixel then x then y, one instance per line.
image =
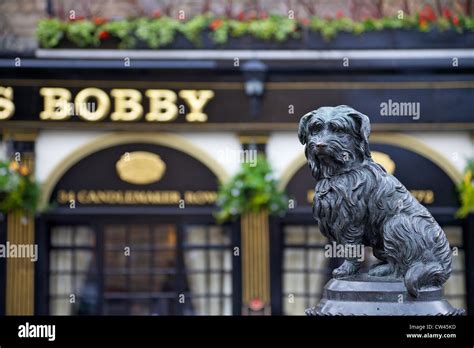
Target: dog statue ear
pixel 364 129
pixel 302 127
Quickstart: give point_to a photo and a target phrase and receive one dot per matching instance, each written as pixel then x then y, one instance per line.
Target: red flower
pixel 99 20
pixel 428 14
pixel 447 13
pixel 241 16
pixel 216 24
pixel 157 14
pixel 104 35
pixel 263 15
pixel 305 22
pixel 340 14
pixel 455 20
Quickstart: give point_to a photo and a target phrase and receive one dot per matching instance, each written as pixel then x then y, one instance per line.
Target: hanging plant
pixel 252 189
pixel 18 190
pixel 466 192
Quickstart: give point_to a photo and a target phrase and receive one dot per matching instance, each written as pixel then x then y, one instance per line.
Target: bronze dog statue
pixel 357 202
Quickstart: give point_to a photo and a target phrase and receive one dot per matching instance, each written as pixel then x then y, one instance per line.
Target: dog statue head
pixel 336 139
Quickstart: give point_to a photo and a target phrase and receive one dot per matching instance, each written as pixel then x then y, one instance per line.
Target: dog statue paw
pixel 381 269
pixel 356 200
pixel 347 268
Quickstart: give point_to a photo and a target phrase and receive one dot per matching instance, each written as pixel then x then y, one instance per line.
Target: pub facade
pixel 130 150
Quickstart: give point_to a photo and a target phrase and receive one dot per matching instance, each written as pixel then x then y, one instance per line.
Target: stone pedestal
pixel 365 295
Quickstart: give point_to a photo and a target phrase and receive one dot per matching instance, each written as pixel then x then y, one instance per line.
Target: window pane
pixel 84 236
pixel 315 236
pixel 294 283
pixel 115 283
pixel 164 283
pixel 61 236
pixel 294 259
pixel 198 283
pixel 164 236
pixel 60 307
pixel 60 284
pixel 317 260
pixel 115 260
pixel 61 260
pixel 294 235
pixel 139 235
pixel 164 259
pixel 217 236
pixel 114 237
pixel 294 305
pixel 140 259
pixel 85 261
pixel 196 235
pixel 217 259
pixel 196 260
pixel 140 283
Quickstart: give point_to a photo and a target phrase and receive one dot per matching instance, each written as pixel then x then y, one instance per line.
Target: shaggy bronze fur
pixel 357 202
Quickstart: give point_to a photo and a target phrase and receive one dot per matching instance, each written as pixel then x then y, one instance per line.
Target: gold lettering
pixel 162 105
pixel 127 105
pixel 56 102
pixel 65 196
pixel 102 104
pixel 7 107
pixel 196 101
pixel 200 197
pixel 81 197
pixel 423 196
pixel 133 197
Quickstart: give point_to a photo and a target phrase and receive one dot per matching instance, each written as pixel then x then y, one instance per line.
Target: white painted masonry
pixel 54 146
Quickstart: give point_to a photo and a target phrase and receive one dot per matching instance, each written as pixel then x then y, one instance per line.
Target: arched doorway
pixel 304 268
pixel 129 230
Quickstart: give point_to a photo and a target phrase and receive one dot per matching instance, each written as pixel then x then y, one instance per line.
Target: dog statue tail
pixel 435 266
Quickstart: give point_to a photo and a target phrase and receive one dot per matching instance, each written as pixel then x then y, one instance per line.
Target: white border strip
pixel 255 54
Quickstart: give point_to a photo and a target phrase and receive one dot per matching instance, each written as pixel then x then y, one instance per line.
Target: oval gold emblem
pixel 140 167
pixel 384 160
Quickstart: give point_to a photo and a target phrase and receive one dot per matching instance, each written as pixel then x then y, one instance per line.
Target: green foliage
pixel 82 33
pixel 49 32
pixel 159 32
pixel 156 32
pixel 17 188
pixel 252 189
pixel 122 30
pixel 193 28
pixel 220 32
pixel 466 192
